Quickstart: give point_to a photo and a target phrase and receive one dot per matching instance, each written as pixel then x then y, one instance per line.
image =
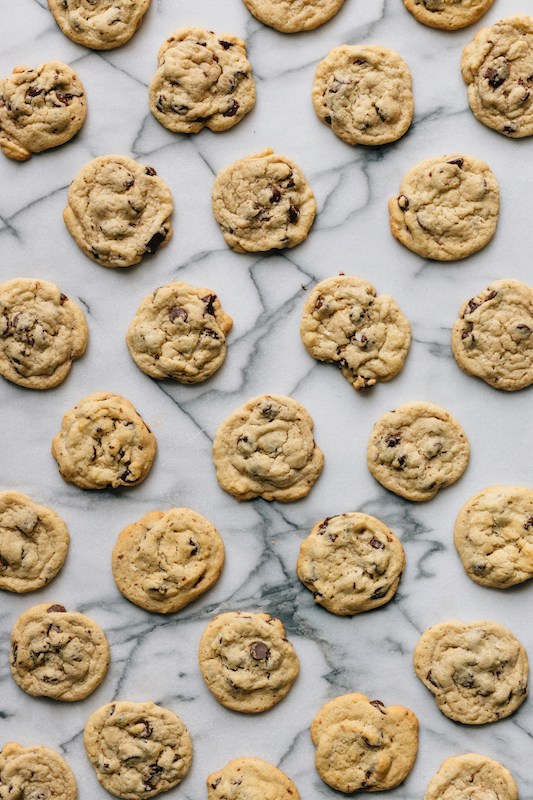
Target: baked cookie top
pixel 118 210
pixel 250 779
pixel 493 337
pixel 362 744
pixel 35 772
pixel 368 336
pixel 351 562
pixel 104 442
pixel 477 671
pixel 263 202
pixel 166 560
pixel 290 16
pixel 471 777
pixel 33 543
pixel 179 331
pixel 100 25
pixel 364 93
pixel 42 332
pixel 447 207
pixel 246 661
pixel 448 14
pixel 203 80
pixel 416 450
pixel 266 449
pixel 137 749
pixel 40 108
pixel 497 66
pixel 58 653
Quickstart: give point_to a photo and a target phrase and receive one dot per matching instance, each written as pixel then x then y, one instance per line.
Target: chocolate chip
pixel 494 78
pixel 378 704
pixel 225 45
pixel 328 119
pixel 429 677
pixel 156 241
pixel 379 592
pixel 33 91
pixel 64 97
pixel 259 651
pixel 215 784
pixel 323 525
pixel 62 298
pixel 153 777
pixel 56 607
pixel 393 439
pixel 467 330
pixel 232 110
pixel 178 313
pixel 276 194
pixel 458 161
pixel 209 300
pixel 148 729
pixel 403 202
pixel 528 523
pixel 479 569
pixel 150 171
pixel 376 544
pixel 293 214
pixel 211 333
pixel 194 546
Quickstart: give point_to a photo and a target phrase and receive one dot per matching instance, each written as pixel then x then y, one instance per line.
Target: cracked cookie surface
pixel 100 25
pixel 472 777
pixel 34 772
pixel 250 779
pixel 448 14
pixel 290 16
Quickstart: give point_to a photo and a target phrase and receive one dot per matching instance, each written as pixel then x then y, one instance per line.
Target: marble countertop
pixel 154 656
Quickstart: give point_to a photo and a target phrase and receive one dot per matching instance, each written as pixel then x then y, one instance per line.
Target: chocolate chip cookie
pixel 35 772
pixel 250 779
pixel 100 25
pixel 448 14
pixel 471 777
pixel 291 16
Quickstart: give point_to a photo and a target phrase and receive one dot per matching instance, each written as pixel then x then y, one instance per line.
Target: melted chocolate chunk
pixel 156 241
pixel 232 110
pixel 178 313
pixel 209 300
pixel 259 651
pixel 56 607
pixel 150 171
pixel 293 214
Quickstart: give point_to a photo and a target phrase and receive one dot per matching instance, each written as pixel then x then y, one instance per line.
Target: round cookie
pixel 266 449
pixel 343 321
pixel 447 14
pixel 250 779
pixel 364 93
pixel 362 744
pixel 203 80
pixel 118 210
pixel 493 337
pixel 246 661
pixel 263 202
pixel 137 749
pixel 35 772
pixel 58 653
pixel 33 543
pixel 291 16
pixel 40 108
pixel 477 671
pixel 104 442
pixel 179 331
pixel 100 25
pixel 447 208
pixel 42 332
pixel 497 66
pixel 166 560
pixel 472 777
pixel 351 563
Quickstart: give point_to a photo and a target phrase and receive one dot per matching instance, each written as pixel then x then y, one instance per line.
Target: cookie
pixel 166 560
pixel 477 671
pixel 351 563
pixel 291 16
pixel 364 93
pixel 250 779
pixel 58 653
pixel 343 321
pixel 416 450
pixel 40 108
pixel 99 25
pixel 35 772
pixel 137 749
pixel 42 332
pixel 447 208
pixel 497 67
pixel 493 337
pixel 104 442
pixel 203 80
pixel 33 543
pixel 472 777
pixel 179 331
pixel 266 449
pixel 246 661
pixel 363 745
pixel 263 202
pixel 118 210
pixel 447 14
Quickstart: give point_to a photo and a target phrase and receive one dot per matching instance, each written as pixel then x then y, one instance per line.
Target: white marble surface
pixel 154 657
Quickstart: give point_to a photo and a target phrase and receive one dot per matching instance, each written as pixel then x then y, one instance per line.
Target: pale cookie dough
pixel 104 442
pixel 363 745
pixel 166 560
pixel 58 653
pixel 266 449
pixel 351 563
pixel 448 14
pixel 447 208
pixel 203 80
pixel 494 536
pixel 246 661
pixel 416 450
pixel 137 749
pixel 39 108
pixel 497 66
pixel 472 777
pixel 42 332
pixel 364 93
pixel 250 779
pixel 477 671
pixel 291 16
pixel 493 337
pixel 33 543
pixel 368 336
pixel 179 331
pixel 118 210
pixel 263 202
pixel 34 773
pixel 100 25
